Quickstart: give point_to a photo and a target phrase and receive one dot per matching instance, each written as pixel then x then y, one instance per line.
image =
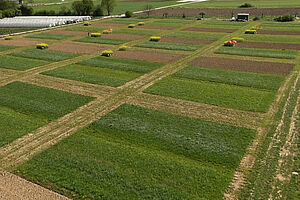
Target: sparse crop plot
pixel 49 36
pixel 47 55
pixel 19 63
pixel 101 40
pixel 136 153
pixel 24 107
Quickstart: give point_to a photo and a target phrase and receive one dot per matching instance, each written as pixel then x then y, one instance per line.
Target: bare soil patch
pixel 65 32
pixel 186 40
pixel 243 65
pixel 122 36
pixel 149 56
pixel 19 42
pixel 215 30
pixel 270 32
pixel 75 48
pixel 107 25
pixel 157 27
pixel 210 12
pixel 265 45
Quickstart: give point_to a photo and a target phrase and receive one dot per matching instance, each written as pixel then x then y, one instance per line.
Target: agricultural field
pixel 162 110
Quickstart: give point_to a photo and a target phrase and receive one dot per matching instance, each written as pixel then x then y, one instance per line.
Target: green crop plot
pixel 85 28
pixel 137 153
pixel 122 64
pixel 231 96
pixel 279 26
pixel 49 36
pixel 204 36
pixel 6 47
pixel 170 22
pixel 124 21
pixel 268 53
pixel 222 25
pixel 268 38
pixel 25 107
pixel 100 40
pixel 170 46
pixel 247 79
pixel 47 55
pixel 19 63
pixel 95 75
pixel 5 31
pixel 135 31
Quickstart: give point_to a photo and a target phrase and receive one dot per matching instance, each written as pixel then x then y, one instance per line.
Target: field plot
pixel 105 71
pixel 170 46
pixel 47 55
pixel 49 36
pixel 73 47
pixel 101 40
pixel 6 47
pixel 24 108
pixel 129 158
pixel 19 63
pixel 18 42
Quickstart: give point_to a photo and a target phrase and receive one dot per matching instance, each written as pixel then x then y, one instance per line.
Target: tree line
pixel 10 8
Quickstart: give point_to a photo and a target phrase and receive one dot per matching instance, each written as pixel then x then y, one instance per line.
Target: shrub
pixel 250 31
pixel 229 44
pixel 131 25
pixel 154 38
pixel 285 18
pixel 87 23
pixel 238 39
pixel 246 5
pixel 128 14
pixel 8 38
pixel 107 53
pixel 95 34
pixel 141 23
pixel 107 31
pixel 42 46
pixel 256 18
pixel 123 48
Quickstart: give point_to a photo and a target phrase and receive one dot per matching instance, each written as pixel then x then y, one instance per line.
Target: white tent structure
pixel 40 21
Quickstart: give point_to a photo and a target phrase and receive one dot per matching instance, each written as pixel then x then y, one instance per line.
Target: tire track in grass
pixel 198 110
pixel 249 159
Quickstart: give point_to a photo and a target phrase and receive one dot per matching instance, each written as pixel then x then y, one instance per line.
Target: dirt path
pixel 13 187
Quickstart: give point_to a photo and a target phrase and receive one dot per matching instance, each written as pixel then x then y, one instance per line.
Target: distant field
pixel 24 107
pixel 136 153
pixel 236 3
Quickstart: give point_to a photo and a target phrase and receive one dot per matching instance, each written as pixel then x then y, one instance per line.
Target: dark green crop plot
pixel 85 28
pixel 137 153
pixel 95 75
pixel 6 47
pixel 122 64
pixel 231 96
pixel 19 63
pixel 268 53
pixel 49 36
pixel 264 38
pixel 204 36
pixel 170 46
pixel 247 79
pixel 100 40
pixel 25 107
pixel 45 54
pixel 123 21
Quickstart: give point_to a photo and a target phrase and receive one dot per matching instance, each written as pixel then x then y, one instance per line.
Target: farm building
pixel 242 17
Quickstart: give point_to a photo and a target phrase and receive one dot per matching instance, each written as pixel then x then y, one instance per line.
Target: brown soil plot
pixel 76 48
pixel 215 30
pixel 265 45
pixel 19 42
pixel 157 27
pixel 243 65
pixel 186 40
pixel 149 56
pixel 270 32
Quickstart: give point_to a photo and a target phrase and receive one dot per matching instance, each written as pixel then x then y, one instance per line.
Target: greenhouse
pixel 40 21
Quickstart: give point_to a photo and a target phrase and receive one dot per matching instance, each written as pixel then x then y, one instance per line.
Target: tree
pixel 148 9
pixel 128 14
pixel 5 4
pixel 77 7
pixel 98 11
pixel 108 5
pixel 88 7
pixel 26 10
pixel 202 14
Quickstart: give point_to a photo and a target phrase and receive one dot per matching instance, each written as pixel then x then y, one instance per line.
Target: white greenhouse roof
pixel 40 21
